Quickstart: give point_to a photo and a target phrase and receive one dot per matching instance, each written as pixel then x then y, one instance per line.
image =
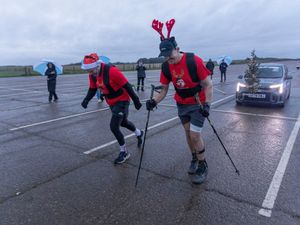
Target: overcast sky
pixel 66 30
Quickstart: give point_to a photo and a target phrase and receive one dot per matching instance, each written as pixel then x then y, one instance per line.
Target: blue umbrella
pixel 104 59
pixel 225 58
pixel 42 67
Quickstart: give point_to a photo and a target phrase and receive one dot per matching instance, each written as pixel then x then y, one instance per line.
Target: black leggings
pixel 52 94
pixel 223 76
pixel 119 118
pixel 51 84
pixel 140 81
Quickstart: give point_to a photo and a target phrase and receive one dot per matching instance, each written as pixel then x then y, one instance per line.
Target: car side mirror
pixel 240 76
pixel 289 77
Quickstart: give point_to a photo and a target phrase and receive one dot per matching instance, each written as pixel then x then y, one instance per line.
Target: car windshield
pixel 269 72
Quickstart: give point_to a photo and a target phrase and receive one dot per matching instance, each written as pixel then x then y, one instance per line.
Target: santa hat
pixel 90 61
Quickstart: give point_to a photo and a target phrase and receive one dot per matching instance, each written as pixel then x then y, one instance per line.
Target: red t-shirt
pixel 116 80
pixel 182 79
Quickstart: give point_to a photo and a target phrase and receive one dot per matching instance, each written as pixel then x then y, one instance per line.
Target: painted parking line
pixel 255 114
pixel 59 87
pixel 218 90
pixel 17 89
pixel 20 93
pixel 168 105
pixel 128 136
pixel 65 117
pixel 274 187
pixel 221 101
pixel 60 83
pixel 40 91
pixel 58 119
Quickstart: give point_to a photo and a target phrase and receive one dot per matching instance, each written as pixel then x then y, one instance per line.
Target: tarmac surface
pixel 56 159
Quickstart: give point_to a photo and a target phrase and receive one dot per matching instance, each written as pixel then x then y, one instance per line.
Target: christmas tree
pixel 251 73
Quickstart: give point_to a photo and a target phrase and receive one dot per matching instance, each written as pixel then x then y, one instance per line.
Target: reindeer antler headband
pixel 158 26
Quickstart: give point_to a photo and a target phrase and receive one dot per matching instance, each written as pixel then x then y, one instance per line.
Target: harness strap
pixel 192 68
pixel 198 153
pixel 188 92
pixel 112 93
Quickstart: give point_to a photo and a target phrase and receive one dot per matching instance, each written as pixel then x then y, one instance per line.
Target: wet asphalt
pixel 56 160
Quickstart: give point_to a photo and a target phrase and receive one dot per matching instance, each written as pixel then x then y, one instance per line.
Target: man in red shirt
pixel 187 90
pixel 117 92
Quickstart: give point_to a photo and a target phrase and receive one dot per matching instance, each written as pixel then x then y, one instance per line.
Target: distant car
pixel 274 86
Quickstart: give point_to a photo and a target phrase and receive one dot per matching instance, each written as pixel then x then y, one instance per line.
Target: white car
pixel 274 86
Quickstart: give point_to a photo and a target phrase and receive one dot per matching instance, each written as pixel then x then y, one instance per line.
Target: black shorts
pixel 120 109
pixel 191 114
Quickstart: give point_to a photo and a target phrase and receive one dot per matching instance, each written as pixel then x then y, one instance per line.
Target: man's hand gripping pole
pixel 207 117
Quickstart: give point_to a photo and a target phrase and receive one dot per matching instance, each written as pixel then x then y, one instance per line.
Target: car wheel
pixel 238 103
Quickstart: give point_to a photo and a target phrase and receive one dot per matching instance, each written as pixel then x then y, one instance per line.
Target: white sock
pixel 137 132
pixel 123 148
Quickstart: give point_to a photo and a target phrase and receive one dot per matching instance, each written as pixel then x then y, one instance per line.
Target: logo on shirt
pixel 176 74
pixel 180 83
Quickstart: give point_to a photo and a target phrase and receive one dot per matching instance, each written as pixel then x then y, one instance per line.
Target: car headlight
pixel 240 85
pixel 278 86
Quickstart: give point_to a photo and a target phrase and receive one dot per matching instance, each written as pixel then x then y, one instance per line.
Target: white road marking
pixel 218 90
pixel 60 88
pixel 128 136
pixel 223 99
pixel 44 90
pixel 21 93
pixel 57 119
pixel 151 127
pixel 17 89
pixel 65 117
pixel 168 105
pixel 61 84
pixel 271 195
pixel 255 114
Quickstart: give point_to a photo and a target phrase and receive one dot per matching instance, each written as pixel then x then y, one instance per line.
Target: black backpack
pixel 112 92
pixel 192 68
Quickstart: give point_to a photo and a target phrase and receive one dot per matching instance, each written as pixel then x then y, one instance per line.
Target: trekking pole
pixel 236 170
pixel 146 128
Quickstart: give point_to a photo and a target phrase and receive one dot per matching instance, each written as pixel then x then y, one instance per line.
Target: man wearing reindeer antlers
pixel 117 92
pixel 190 78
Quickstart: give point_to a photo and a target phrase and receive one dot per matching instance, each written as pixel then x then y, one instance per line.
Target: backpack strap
pixel 112 92
pixel 166 71
pixel 106 77
pixel 192 67
pixel 94 78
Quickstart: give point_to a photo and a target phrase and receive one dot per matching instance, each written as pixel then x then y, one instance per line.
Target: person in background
pixel 141 74
pixel 223 67
pixel 210 66
pixel 99 96
pixel 51 81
